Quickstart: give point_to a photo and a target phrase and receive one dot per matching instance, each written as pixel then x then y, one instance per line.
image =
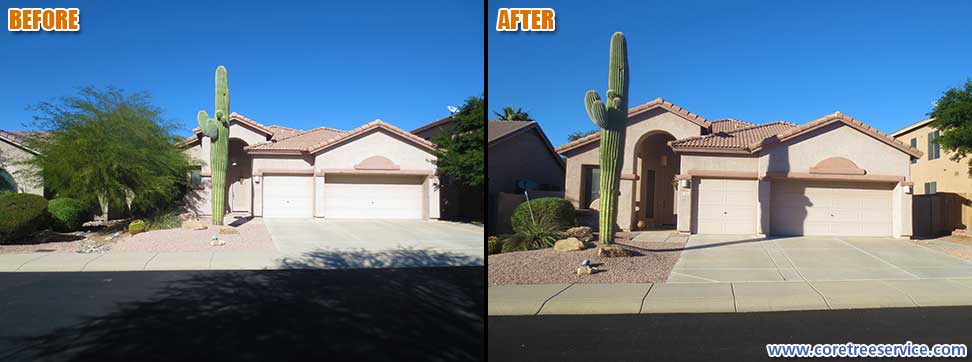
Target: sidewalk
pixel 550 299
pixel 134 261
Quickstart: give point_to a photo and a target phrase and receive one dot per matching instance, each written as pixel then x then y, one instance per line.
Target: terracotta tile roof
pixel 832 118
pixel 729 124
pixel 19 138
pixel 497 129
pixel 281 132
pixel 738 139
pixel 657 103
pixel 298 141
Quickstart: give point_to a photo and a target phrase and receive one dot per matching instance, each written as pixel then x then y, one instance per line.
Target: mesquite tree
pixel 612 119
pixel 217 129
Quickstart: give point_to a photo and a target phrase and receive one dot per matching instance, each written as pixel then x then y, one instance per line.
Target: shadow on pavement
pixel 387 258
pixel 427 314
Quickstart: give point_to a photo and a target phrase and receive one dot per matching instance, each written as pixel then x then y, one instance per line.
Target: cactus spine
pixel 612 118
pixel 217 129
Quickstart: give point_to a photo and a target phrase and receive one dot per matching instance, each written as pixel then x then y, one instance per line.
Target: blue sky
pixel 882 62
pixel 318 63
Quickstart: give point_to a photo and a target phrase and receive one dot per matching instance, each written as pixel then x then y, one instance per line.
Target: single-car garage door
pixel 372 197
pixel 288 196
pixel 828 208
pixel 726 206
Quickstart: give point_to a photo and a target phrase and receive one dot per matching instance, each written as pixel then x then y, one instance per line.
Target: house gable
pixel 376 142
pixel 650 111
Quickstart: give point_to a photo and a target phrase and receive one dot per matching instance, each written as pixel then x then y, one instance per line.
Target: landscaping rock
pixel 582 233
pixel 227 231
pixel 585 270
pixel 612 252
pixel 87 246
pixel 193 224
pixel 569 244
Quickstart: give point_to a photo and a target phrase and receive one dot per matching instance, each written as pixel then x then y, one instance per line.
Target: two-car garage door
pixel 829 208
pixel 345 196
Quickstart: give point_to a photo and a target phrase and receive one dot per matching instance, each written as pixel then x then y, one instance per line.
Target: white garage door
pixel 372 197
pixel 288 196
pixel 726 206
pixel 818 208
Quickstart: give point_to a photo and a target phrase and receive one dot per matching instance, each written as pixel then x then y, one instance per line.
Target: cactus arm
pixel 206 125
pixel 595 109
pixel 618 69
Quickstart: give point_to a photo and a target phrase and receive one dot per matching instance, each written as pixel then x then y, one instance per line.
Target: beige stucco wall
pixel 26 181
pixel 651 122
pixel 949 176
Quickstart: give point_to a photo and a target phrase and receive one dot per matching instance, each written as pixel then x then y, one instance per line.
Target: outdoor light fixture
pixel 686 183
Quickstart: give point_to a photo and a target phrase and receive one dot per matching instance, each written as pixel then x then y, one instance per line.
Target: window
pixel 195 178
pixel 914 144
pixel 931 188
pixel 934 149
pixel 591 178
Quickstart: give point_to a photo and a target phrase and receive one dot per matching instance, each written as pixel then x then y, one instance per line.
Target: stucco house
pixel 518 153
pixel 456 202
pixel 376 171
pixel 14 177
pixel 830 176
pixel 943 187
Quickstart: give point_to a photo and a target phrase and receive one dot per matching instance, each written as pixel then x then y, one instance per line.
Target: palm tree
pixel 510 114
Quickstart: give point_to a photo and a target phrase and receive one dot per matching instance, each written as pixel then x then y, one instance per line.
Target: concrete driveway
pixel 709 258
pixel 378 243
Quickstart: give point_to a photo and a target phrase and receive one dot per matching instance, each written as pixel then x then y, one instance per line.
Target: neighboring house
pixel 13 177
pixel 456 203
pixel 518 154
pixel 831 176
pixel 943 185
pixel 376 171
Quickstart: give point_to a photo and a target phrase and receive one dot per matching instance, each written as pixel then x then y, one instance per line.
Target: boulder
pixel 193 224
pixel 585 270
pixel 612 252
pixel 569 244
pixel 582 233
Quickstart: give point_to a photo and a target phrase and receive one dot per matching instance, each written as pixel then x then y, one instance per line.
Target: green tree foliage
pixel 953 117
pixel 106 142
pixel 511 114
pixel 460 150
pixel 580 134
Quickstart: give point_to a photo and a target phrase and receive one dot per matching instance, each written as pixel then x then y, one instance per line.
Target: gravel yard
pixel 653 261
pixel 251 235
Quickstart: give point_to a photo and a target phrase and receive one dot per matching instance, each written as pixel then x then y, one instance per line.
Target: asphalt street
pixel 707 337
pixel 429 314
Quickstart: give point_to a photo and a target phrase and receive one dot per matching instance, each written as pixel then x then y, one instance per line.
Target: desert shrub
pixel 22 215
pixel 136 227
pixel 542 234
pixel 493 245
pixel 556 212
pixel 163 221
pixel 67 214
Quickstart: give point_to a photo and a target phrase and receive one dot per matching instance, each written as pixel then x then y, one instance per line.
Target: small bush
pixel 533 236
pixel 67 214
pixel 169 220
pixel 136 227
pixel 22 215
pixel 556 213
pixel 493 245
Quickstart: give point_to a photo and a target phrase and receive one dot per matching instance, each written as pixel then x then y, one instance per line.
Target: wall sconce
pixel 687 184
pixel 907 190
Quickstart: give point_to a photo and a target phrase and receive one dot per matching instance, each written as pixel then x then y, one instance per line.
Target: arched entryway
pixel 239 176
pixel 656 166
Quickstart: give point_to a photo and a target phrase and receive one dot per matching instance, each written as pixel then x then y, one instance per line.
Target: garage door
pixel 288 196
pixel 372 197
pixel 726 206
pixel 818 208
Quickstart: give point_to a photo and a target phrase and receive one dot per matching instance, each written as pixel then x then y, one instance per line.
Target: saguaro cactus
pixel 217 129
pixel 612 119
